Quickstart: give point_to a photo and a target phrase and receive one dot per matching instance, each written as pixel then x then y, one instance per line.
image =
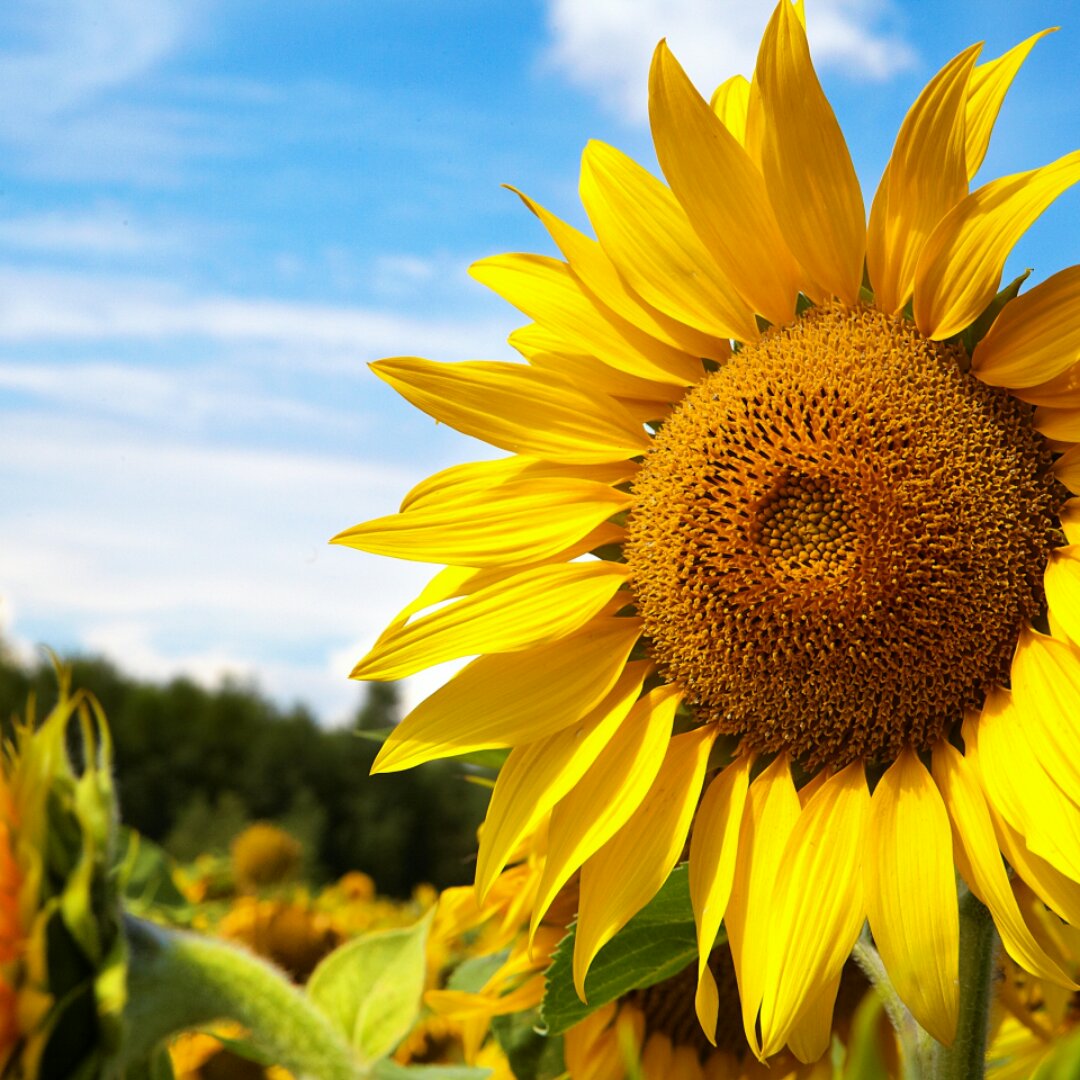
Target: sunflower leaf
pixel 655 944
pixel 370 988
pixel 532 1055
pixel 391 1070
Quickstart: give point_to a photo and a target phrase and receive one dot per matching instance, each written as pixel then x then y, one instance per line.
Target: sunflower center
pixel 837 537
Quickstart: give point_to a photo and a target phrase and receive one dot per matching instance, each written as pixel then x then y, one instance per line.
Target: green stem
pixel 913 1056
pixel 178 981
pixel 966 1058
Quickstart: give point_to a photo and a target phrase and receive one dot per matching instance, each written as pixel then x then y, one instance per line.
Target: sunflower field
pixel 763 760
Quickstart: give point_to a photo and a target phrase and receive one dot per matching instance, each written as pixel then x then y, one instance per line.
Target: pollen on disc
pixel 837 537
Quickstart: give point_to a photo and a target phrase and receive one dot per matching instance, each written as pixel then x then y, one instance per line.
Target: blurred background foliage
pixel 195 766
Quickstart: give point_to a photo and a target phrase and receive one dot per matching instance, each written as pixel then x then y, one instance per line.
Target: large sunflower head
pixel 783 549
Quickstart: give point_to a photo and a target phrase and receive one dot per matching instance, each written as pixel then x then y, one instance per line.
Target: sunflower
pixel 783 547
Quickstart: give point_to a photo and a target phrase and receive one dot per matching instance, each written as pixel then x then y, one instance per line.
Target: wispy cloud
pixel 183 558
pixel 605 45
pixel 100 230
pixel 54 306
pixel 59 90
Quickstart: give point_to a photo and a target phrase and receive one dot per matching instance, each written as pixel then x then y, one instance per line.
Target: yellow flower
pixel 264 854
pixel 832 534
pixel 1035 1020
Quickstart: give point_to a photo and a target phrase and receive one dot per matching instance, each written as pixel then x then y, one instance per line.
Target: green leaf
pixel 146 875
pixel 532 1054
pixel 655 944
pixel 472 975
pixel 370 987
pixel 391 1070
pixel 157 1067
pixel 865 1060
pixel 1063 1061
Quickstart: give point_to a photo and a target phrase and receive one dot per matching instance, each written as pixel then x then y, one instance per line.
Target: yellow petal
pixel 1058 425
pixel 960 267
pixel 627 872
pixel 547 291
pixel 1060 393
pixel 806 164
pixel 722 191
pixel 537 606
pixel 1045 679
pixel 772 808
pixel 514 524
pixel 1036 337
pixel 713 849
pixel 812 1032
pixel 731 102
pixel 911 894
pixel 925 178
pixel 978 858
pixel 518 408
pixel 1067 470
pixel 598 276
pixel 1018 786
pixel 813 929
pixel 537 775
pixel 474 476
pixel 594 375
pixel 1060 893
pixel 986 91
pixel 505 700
pixel 646 234
pixel 1069 517
pixel 607 795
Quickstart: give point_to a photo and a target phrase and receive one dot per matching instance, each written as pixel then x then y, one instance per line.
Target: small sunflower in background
pixel 784 546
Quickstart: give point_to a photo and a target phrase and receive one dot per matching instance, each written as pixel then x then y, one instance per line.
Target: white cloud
pixel 181 559
pixel 51 306
pixel 104 229
pixel 605 45
pixel 81 49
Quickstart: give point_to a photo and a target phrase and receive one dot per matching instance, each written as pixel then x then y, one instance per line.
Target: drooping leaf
pixel 655 944
pixel 370 988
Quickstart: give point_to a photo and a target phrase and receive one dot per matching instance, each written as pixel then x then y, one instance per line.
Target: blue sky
pixel 213 215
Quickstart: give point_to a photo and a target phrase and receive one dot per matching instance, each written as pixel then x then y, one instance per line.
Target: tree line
pixel 193 766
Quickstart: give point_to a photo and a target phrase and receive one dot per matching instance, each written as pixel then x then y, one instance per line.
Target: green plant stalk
pixel 966 1058
pixel 178 981
pixel 913 1054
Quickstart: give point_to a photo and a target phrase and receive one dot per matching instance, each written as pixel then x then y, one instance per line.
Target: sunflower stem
pixel 178 981
pixel 966 1058
pixel 913 1055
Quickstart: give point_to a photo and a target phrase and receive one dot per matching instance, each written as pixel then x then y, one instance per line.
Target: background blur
pixel 213 215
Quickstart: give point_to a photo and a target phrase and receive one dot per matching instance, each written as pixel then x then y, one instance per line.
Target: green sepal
pixel 656 944
pixel 532 1054
pixel 370 988
pixel 971 337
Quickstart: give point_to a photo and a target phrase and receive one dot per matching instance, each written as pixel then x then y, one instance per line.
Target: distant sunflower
pixel 831 533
